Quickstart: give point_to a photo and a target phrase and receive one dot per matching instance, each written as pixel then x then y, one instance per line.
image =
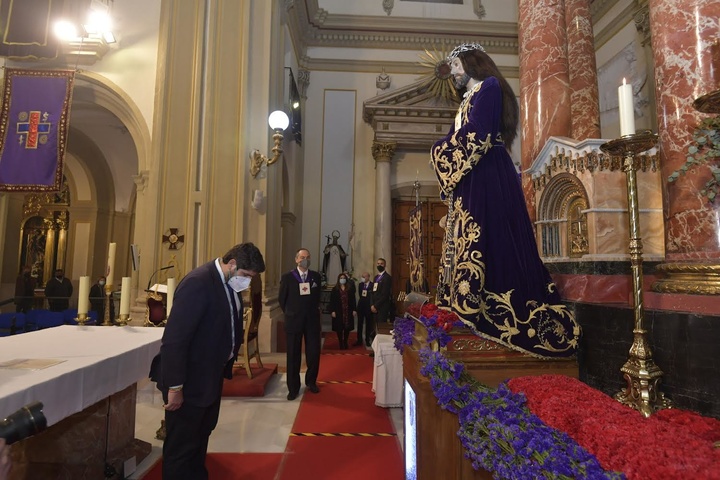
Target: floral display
pixel 498 431
pixel 403 331
pixel 554 426
pixel 671 443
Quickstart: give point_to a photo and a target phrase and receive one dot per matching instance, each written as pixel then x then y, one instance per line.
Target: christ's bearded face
pixel 458 73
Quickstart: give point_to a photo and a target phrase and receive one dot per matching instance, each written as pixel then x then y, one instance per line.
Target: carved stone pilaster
pixel 642 24
pixel 62 220
pixel 383 151
pixel 141 180
pixel 303 81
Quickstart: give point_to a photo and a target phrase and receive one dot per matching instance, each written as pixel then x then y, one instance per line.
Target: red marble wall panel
pixel 617 290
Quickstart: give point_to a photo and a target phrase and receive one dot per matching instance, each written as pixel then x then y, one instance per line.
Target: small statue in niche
pixel 333 259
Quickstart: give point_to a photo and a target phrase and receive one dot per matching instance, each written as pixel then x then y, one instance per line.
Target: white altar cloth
pixel 96 362
pixel 387 373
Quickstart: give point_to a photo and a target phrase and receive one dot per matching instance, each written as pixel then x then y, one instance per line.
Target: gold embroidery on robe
pixel 496 307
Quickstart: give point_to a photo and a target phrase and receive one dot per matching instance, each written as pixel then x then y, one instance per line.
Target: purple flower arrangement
pixel 497 430
pixel 403 331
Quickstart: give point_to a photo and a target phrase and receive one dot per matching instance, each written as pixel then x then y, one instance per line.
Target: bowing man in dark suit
pixel 382 294
pixel 200 343
pixel 299 299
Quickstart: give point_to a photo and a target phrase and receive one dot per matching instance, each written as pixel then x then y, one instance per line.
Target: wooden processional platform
pixel 439 452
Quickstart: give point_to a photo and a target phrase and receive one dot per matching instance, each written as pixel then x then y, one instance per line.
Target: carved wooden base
pixel 439 451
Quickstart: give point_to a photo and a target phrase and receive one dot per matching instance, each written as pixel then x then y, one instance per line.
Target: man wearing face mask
pixel 299 298
pixel 58 291
pixel 381 300
pixel 97 300
pixel 364 314
pixel 199 346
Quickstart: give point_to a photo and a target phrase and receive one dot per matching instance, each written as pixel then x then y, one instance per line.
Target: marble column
pixel 544 82
pixel 383 153
pixel 584 106
pixel 683 34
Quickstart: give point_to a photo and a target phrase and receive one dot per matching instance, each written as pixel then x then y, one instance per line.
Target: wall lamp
pixel 278 121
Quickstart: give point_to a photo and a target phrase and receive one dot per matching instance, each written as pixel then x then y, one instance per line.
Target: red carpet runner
pixel 338 433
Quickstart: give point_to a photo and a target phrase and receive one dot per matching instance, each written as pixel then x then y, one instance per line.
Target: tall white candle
pixel 170 293
pixel 83 295
pixel 111 265
pixel 627 112
pixel 125 296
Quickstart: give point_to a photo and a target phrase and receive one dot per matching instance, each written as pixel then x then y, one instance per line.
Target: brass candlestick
pixel 81 319
pixel 107 322
pixel 123 319
pixel 640 372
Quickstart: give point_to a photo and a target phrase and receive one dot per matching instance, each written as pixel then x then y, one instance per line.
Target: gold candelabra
pixel 640 372
pixel 107 321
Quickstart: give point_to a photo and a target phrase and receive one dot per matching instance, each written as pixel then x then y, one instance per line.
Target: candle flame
pixel 623 80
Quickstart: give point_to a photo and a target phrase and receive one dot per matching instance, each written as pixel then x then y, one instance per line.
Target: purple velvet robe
pixel 492 275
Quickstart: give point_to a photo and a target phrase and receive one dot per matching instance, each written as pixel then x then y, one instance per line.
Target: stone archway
pixel 562 219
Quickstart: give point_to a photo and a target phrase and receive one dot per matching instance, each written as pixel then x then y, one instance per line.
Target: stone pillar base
pixel 692 278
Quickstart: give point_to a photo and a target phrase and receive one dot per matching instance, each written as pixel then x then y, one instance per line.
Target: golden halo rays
pixel 437 76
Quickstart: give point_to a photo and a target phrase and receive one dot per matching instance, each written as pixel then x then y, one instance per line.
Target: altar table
pixel 387 372
pixel 88 397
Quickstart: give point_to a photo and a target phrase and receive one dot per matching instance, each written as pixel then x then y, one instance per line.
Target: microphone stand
pixel 155 273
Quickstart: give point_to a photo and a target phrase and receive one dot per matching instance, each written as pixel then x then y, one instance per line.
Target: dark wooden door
pixel 432 237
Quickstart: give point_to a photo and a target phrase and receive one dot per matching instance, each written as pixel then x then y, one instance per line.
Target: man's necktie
pixel 304 276
pixel 231 292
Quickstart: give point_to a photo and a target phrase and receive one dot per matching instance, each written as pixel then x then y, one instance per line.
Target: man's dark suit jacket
pixel 299 309
pixel 382 297
pixel 363 304
pixel 198 338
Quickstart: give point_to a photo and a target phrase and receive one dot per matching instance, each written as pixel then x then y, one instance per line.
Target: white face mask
pixel 343 281
pixel 239 283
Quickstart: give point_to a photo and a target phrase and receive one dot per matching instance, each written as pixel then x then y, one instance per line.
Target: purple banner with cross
pixel 33 129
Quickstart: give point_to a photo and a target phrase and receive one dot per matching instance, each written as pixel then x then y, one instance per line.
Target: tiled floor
pixel 248 424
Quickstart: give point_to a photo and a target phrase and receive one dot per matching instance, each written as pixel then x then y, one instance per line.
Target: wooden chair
pixel 250 349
